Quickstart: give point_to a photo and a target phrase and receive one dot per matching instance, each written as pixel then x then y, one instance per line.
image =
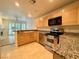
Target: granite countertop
pixel 34 30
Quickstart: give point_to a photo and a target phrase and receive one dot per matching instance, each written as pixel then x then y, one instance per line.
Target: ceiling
pixel 28 9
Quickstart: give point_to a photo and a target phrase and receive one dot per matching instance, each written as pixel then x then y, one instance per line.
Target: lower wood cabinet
pixel 25 37
pixel 41 38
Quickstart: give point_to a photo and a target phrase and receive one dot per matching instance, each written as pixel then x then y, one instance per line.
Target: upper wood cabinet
pixel 45 21
pixel 78 13
pixel 56 13
pixel 51 15
pixel 69 15
pixel 39 23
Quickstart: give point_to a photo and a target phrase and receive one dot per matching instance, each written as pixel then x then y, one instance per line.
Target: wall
pixel 30 24
pixel 0 21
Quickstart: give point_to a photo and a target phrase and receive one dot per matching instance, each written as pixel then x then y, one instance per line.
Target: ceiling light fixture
pixel 50 0
pixel 41 19
pixel 29 15
pixel 17 4
pixel 62 10
pixel 33 1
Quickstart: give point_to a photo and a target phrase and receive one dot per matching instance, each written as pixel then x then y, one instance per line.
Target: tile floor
pixel 5 50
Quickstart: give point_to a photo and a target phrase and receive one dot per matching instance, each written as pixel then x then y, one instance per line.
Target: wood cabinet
pixel 51 15
pixel 39 23
pixel 24 37
pixel 57 13
pixel 69 15
pixel 78 16
pixel 78 13
pixel 45 21
pixel 42 38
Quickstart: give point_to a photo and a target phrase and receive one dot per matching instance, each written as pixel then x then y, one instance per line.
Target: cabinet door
pixel 39 23
pixel 78 13
pixel 32 36
pixel 23 38
pixel 57 13
pixel 42 38
pixel 36 36
pixel 69 15
pixel 45 21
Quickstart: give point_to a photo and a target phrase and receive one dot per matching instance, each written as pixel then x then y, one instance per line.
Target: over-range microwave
pixel 55 21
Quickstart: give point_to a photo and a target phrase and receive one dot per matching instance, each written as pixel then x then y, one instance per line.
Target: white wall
pixel 1 22
pixel 30 24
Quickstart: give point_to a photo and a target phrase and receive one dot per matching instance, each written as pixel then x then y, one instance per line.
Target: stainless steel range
pixel 54 33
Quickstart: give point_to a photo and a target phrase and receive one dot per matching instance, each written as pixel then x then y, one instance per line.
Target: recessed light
pixel 29 15
pixel 41 19
pixel 17 4
pixel 62 10
pixel 50 0
pixel 8 54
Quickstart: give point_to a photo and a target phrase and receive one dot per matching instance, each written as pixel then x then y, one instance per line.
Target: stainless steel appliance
pixel 55 21
pixel 56 32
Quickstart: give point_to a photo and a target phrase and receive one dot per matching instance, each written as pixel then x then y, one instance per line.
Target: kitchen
pixel 65 40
